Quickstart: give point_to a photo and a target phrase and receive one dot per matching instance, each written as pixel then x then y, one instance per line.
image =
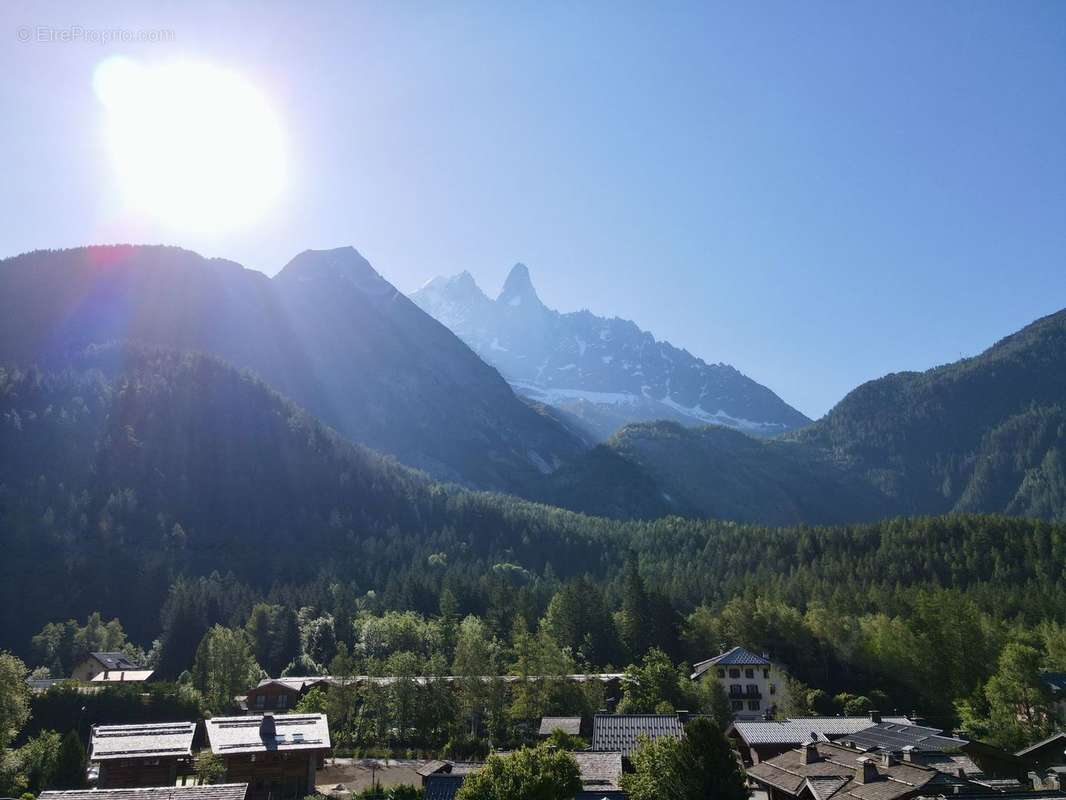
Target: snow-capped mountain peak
pixel 604 372
pixel 518 289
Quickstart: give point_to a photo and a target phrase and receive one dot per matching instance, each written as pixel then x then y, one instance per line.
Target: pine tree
pixel 70 764
pixel 634 622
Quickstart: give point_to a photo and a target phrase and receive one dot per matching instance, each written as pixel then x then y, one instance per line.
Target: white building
pixel 753 684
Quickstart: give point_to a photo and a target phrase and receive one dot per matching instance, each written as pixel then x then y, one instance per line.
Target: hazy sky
pixel 815 193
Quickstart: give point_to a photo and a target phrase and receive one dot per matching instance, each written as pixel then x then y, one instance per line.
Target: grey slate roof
pixel 834 775
pixel 621 732
pixel 795 730
pixel 115 660
pixel 600 772
pixel 228 735
pixel 141 741
pixel 1060 735
pixel 894 737
pixel 123 676
pixel 568 725
pixel 734 657
pixel 221 791
pixel 441 787
pixel 432 768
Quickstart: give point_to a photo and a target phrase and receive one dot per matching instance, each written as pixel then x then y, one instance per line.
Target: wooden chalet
pixel 142 755
pixel 277 756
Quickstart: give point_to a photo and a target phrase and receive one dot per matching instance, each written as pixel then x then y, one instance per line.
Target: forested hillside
pixel 648 470
pixel 327 331
pixel 986 434
pixel 134 469
pixel 135 465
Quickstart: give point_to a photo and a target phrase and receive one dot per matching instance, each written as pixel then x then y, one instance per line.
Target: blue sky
pixel 816 193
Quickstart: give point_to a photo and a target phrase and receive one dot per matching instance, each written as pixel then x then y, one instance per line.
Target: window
pixel 766 672
pixel 283 701
pixel 753 705
pixel 734 673
pixel 721 673
pixel 749 673
pixel 753 689
pixel 737 705
pixel 736 689
pixel 260 700
pixel 773 688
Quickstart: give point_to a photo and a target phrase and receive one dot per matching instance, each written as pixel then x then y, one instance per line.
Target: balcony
pixel 751 693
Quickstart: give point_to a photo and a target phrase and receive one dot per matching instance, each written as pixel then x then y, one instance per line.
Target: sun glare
pixel 195 146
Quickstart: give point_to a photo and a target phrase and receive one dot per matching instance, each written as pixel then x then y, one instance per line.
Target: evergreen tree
pixel 634 619
pixel 70 763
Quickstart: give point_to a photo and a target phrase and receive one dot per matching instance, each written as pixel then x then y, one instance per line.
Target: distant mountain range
pixel 327 331
pixel 985 434
pixel 600 373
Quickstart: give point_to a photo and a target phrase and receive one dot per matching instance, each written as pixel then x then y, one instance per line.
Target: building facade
pixel 752 683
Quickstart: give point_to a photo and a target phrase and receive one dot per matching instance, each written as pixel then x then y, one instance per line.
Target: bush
pixel 466 748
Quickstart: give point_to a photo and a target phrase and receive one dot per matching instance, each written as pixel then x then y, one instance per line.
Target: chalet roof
pixel 620 732
pixel 123 676
pixel 114 660
pixel 298 684
pixel 734 657
pixel 836 773
pixel 157 740
pixel 893 737
pixel 600 772
pixel 795 730
pixel 228 735
pixel 220 791
pixel 441 786
pixel 44 684
pixel 433 767
pixel 951 763
pixel 568 725
pixel 1057 735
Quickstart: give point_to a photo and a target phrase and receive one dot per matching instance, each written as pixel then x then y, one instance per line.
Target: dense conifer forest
pixel 174 493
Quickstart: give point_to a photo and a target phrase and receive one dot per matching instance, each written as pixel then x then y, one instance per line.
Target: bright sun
pixel 195 146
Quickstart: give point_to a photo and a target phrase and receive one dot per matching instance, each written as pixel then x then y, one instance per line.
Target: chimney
pixel 960 773
pixel 808 753
pixel 266 727
pixel 908 753
pixel 866 771
pixel 887 760
pixel 875 717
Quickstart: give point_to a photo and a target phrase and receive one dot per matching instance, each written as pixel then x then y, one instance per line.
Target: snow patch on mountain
pixel 606 372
